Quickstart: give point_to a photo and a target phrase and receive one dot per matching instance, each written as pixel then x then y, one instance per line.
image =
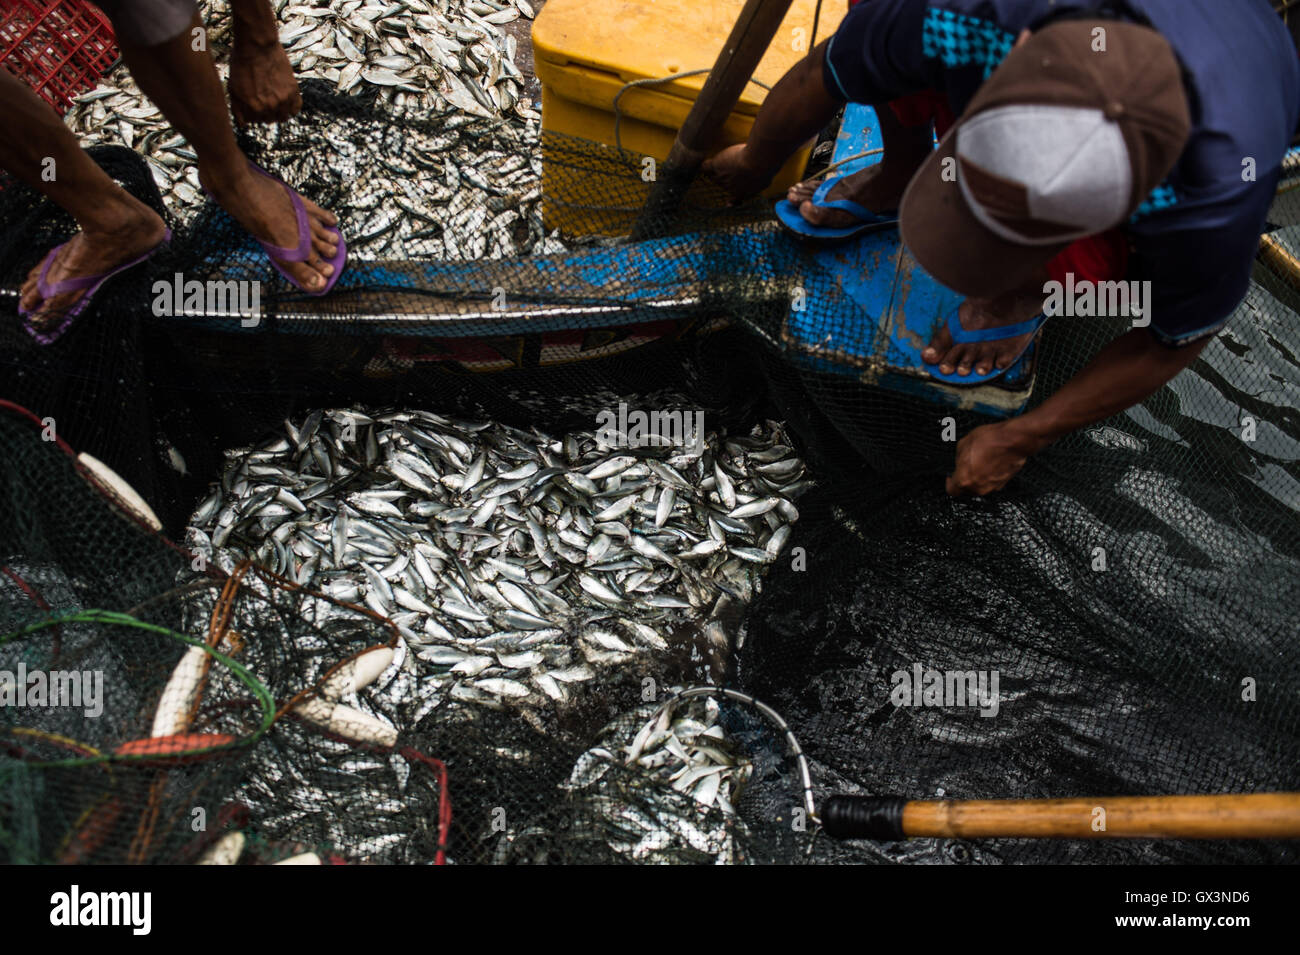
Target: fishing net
pixel 1132 590
pixel 154 720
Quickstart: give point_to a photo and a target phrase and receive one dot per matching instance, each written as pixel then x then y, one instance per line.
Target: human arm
pixel 1124 373
pixel 262 86
pixel 796 109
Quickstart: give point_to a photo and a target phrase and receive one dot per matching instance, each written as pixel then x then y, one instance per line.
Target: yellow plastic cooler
pixel 586 51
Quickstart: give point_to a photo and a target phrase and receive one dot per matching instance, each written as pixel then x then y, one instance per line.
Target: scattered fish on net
pixel 688 775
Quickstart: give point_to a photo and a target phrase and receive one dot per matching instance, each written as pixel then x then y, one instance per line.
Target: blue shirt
pixel 1196 236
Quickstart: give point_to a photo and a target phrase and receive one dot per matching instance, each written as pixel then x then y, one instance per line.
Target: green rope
pixel 114 618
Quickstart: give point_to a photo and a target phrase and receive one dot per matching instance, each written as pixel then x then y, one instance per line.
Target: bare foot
pixel 978 314
pixel 91 252
pixel 878 188
pixel 262 206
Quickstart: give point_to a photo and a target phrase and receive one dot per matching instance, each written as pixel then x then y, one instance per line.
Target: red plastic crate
pixel 59 48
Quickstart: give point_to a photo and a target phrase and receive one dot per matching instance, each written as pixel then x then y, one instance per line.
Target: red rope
pixel 41 604
pixel 444 798
pixel 31 416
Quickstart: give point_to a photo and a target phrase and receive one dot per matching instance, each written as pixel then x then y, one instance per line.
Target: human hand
pixel 262 86
pixel 987 459
pixel 734 170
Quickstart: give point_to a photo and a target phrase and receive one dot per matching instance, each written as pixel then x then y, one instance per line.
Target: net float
pixel 173 714
pixel 348 722
pixel 123 492
pixel 177 748
pixel 225 851
pixel 358 673
pixel 306 858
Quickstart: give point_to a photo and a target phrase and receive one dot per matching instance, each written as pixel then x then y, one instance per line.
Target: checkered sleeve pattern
pixel 1162 197
pixel 955 40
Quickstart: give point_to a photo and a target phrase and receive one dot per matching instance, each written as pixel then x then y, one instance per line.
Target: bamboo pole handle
pixel 1281 262
pixel 740 55
pixel 1246 816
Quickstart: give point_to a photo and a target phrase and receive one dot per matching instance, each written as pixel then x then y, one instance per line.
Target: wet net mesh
pixel 1134 589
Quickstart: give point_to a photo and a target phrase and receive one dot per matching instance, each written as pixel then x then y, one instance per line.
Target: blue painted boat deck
pixel 882 308
pixel 862 310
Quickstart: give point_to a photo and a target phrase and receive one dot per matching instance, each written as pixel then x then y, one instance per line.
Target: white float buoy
pixel 357 674
pixel 124 492
pixel 225 851
pixel 173 715
pixel 347 722
pixel 307 858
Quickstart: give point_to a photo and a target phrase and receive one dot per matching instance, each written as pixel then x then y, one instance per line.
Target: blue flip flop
pixel 963 337
pixel 787 213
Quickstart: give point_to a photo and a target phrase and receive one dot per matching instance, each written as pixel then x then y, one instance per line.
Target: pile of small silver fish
pixel 431 60
pixel 678 749
pixel 422 54
pixel 514 564
pixel 458 189
pixel 518 567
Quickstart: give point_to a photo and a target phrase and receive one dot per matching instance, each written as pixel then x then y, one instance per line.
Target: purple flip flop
pixel 90 283
pixel 302 252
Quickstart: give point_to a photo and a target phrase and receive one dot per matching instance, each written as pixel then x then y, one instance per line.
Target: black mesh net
pixel 416 462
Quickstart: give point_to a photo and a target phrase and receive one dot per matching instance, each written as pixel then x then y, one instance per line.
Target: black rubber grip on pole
pixel 864 817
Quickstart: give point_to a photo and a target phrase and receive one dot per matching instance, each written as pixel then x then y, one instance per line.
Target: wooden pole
pixel 740 56
pixel 1248 816
pixel 1281 262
